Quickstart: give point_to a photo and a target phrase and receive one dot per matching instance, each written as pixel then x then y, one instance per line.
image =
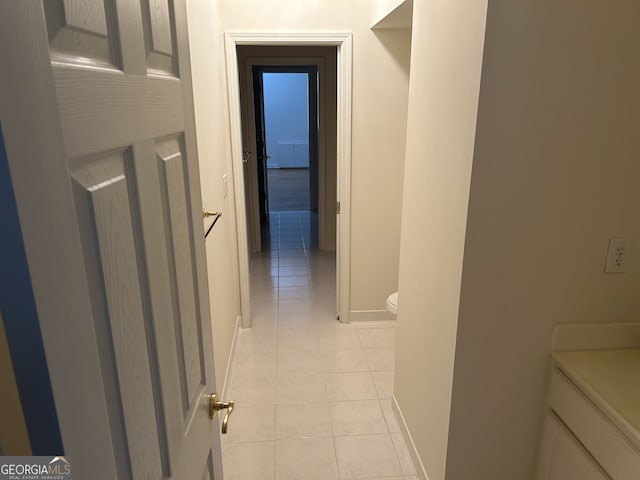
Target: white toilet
pixel 392 303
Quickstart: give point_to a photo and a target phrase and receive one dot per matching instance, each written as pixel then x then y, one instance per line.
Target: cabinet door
pixel 563 458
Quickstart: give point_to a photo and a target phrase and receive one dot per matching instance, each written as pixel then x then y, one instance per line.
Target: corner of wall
pixel 408 440
pixel 228 376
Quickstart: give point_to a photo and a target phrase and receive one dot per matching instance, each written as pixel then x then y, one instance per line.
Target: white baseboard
pixel 374 324
pixel 408 440
pixel 370 315
pixel 228 375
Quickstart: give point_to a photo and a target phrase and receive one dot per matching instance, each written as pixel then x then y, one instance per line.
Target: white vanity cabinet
pixel 591 427
pixel 562 457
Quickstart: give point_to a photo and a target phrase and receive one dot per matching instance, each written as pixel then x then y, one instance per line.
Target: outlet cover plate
pixel 618 255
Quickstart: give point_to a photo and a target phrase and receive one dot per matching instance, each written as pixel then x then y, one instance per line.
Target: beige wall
pixel 443 94
pixel 555 175
pixel 391 14
pixel 381 8
pixel 380 76
pixel 210 96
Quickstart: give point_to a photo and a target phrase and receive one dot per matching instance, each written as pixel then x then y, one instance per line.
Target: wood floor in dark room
pixel 288 188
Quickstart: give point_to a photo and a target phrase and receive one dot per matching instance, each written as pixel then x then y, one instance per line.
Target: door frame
pixel 343 41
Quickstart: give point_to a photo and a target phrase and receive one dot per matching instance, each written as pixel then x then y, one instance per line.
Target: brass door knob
pixel 215 405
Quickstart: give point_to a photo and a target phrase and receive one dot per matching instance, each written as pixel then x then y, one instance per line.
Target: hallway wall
pixel 446 61
pixel 212 129
pixel 380 89
pixel 555 175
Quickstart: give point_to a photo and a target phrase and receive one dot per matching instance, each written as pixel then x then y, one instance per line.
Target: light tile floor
pixel 313 396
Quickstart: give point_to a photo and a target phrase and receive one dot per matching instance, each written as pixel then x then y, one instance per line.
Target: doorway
pixel 286 127
pixel 285 114
pixel 341 46
pixel 332 55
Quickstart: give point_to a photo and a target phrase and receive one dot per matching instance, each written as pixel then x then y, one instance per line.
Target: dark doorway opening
pixel 286 125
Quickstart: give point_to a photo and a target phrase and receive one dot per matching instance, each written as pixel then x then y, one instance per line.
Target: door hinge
pixel 338 208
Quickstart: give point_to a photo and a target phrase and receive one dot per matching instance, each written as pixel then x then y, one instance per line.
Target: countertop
pixel 611 379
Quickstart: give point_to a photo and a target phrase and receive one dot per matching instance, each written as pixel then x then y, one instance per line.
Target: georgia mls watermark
pixel 35 468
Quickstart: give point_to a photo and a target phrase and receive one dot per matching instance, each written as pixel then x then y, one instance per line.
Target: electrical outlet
pixel 225 184
pixel 618 255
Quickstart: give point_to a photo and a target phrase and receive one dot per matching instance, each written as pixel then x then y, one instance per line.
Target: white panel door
pixel 113 83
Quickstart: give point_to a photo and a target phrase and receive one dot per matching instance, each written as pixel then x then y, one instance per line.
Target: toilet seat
pixel 392 303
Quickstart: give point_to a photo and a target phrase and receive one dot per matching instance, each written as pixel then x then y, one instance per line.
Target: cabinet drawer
pixel 562 457
pixel 614 453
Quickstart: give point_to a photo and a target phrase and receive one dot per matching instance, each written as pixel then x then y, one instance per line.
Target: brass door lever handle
pixel 215 405
pixel 208 213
